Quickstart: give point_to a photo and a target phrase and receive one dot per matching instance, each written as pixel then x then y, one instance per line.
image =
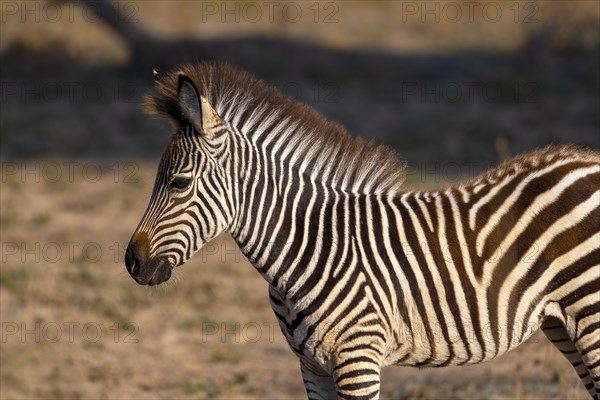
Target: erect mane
pixel 245 101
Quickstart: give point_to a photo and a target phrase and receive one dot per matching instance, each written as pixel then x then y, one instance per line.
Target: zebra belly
pixel 434 349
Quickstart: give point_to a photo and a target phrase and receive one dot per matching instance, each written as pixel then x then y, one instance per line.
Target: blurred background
pixel 454 87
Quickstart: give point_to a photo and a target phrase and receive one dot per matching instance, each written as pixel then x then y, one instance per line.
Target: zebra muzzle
pixel 144 269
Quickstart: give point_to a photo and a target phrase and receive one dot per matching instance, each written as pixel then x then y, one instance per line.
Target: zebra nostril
pixel 132 262
pixel 137 253
pixel 135 266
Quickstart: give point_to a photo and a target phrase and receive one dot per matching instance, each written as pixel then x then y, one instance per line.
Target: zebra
pixel 364 273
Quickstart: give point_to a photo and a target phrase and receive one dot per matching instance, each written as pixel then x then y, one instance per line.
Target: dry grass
pixel 167 342
pixel 176 348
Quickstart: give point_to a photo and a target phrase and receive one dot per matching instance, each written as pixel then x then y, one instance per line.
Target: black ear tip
pixel 180 80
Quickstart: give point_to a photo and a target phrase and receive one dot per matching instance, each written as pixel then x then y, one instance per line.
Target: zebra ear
pixel 189 101
pixel 195 108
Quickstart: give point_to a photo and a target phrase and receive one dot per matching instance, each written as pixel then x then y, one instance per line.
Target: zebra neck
pixel 284 221
pixel 303 233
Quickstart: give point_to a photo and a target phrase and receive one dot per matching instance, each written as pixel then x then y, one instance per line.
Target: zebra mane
pixel 245 102
pixel 534 159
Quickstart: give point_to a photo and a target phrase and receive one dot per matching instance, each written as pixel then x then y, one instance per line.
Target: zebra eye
pixel 180 183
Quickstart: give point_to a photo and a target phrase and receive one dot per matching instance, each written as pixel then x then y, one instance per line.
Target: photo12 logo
pixel 62 252
pixel 70 11
pixel 250 332
pixel 68 331
pixel 19 92
pixel 269 11
pixel 69 172
pixel 526 12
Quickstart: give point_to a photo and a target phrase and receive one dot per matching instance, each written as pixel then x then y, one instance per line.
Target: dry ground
pixel 63 242
pixel 210 335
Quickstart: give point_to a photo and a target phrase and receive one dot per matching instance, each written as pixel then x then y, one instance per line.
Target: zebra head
pixel 189 205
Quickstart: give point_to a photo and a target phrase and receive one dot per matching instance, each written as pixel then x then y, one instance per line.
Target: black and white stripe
pixel 364 273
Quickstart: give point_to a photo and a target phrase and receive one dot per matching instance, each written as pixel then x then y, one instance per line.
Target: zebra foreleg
pixel 318 385
pixel 357 377
pixel 555 331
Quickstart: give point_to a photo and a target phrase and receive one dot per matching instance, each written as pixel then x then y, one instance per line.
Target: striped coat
pixel 364 272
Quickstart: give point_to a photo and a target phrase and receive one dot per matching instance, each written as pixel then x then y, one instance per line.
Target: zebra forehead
pixel 172 154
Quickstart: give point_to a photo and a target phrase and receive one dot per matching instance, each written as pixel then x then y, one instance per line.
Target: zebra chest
pixel 308 334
